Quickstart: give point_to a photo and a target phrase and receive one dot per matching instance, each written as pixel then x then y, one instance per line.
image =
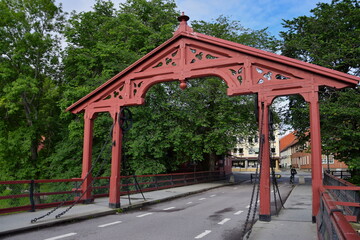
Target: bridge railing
pixel 343 174
pixel 29 195
pixel 345 194
pixel 339 205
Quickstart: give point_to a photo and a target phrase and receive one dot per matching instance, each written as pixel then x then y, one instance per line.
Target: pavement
pixel 293 222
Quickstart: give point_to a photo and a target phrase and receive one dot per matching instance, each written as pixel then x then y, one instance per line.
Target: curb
pixel 86 216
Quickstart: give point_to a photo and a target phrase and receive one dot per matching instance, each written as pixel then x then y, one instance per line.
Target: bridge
pixel 175 197
pixel 245 70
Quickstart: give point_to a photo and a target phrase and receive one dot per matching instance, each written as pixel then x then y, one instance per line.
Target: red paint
pixel 114 191
pixel 87 154
pixel 265 163
pixel 245 70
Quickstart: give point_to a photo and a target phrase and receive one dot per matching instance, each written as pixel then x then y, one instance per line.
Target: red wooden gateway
pixel 245 70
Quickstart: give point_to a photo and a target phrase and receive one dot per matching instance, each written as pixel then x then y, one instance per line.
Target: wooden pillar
pixel 316 164
pixel 87 156
pixel 115 181
pixel 265 207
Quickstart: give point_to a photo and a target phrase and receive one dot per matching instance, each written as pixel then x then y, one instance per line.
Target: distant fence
pixel 339 205
pixel 29 195
pixel 343 174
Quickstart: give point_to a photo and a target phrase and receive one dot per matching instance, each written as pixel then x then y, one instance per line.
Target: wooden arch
pixel 245 70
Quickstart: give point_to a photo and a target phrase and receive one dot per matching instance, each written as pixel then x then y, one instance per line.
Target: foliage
pixel 101 43
pixel 329 38
pixel 197 125
pixel 232 30
pixel 29 85
pixel 173 128
pixel 340 116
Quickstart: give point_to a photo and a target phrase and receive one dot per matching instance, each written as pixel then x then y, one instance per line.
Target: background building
pixel 244 156
pixel 292 153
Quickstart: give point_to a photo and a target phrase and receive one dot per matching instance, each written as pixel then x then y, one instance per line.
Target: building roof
pixel 288 141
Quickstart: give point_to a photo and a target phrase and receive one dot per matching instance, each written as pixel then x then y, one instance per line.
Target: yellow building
pixel 245 155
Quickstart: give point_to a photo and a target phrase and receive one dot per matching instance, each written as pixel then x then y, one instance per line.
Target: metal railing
pixel 346 194
pixel 343 174
pixel 339 205
pixel 331 222
pixel 29 195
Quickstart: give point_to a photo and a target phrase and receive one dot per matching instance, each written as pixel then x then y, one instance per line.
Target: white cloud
pixel 254 14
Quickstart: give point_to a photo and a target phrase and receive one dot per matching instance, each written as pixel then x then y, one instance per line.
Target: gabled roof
pixel 226 49
pixel 288 141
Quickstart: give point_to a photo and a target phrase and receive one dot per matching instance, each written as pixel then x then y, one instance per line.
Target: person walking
pixel 293 172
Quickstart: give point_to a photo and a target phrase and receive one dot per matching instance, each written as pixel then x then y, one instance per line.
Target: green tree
pixel 29 85
pixel 330 38
pixel 232 30
pixel 199 124
pixel 168 131
pixel 101 43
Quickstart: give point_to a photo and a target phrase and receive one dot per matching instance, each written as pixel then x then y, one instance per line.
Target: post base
pixel 265 218
pixel 114 205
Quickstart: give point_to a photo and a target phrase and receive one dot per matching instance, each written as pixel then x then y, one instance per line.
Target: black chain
pixel 34 220
pixel 126 119
pixel 262 139
pixel 126 123
pixel 125 126
pixel 257 176
pixel 88 187
pixel 276 189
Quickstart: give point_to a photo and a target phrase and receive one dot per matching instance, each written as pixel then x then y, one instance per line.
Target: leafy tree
pixel 232 30
pixel 198 125
pixel 168 131
pixel 330 37
pixel 29 85
pixel 101 43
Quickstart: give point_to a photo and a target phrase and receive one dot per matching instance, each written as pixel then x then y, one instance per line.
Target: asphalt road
pixel 215 214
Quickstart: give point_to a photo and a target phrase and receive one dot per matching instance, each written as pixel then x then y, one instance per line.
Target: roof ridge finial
pixel 183 23
pixel 183 17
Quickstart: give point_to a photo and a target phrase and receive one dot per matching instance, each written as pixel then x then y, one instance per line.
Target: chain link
pixel 257 176
pixel 34 220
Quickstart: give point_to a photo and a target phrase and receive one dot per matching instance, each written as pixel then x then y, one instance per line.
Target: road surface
pixel 215 214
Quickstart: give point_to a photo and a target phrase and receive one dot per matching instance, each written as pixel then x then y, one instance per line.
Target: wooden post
pixel 87 156
pixel 115 184
pixel 316 164
pixel 265 207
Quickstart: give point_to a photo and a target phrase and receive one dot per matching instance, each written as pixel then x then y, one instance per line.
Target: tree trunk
pixel 212 160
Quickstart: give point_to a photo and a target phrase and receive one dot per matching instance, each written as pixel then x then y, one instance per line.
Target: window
pixel 256 138
pixel 325 158
pixel 273 150
pixel 251 151
pixel 241 150
pixel 235 150
pixel 250 139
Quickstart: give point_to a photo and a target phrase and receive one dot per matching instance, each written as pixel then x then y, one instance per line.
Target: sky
pixel 254 14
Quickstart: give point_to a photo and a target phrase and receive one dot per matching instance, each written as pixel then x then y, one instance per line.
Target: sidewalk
pixel 294 221
pixel 22 221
